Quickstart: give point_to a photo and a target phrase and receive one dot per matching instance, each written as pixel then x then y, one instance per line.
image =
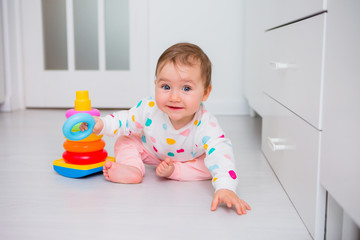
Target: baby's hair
pixel 187 54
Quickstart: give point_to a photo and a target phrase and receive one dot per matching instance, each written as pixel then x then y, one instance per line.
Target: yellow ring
pixel 93 137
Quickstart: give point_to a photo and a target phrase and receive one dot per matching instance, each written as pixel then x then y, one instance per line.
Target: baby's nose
pixel 175 96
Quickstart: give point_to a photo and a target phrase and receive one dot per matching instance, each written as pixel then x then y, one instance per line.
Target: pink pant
pixel 130 151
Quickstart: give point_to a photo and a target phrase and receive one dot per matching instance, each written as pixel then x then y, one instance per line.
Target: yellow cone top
pixel 82 102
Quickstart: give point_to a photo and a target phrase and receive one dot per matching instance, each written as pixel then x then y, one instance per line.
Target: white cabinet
pixel 294 66
pixel 292 149
pixel 280 12
pixel 292 85
pixel 307 74
pixel 290 68
pixel 340 154
pixel 253 53
pixel 262 15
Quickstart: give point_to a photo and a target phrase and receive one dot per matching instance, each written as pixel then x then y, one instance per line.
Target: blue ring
pixel 75 119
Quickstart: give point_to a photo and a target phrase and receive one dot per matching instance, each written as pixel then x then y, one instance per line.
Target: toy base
pixel 78 171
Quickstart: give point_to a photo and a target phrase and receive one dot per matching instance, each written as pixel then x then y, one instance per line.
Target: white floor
pixel 37 203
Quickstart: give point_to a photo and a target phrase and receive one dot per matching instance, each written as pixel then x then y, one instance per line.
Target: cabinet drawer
pixel 279 12
pixel 291 147
pixel 294 66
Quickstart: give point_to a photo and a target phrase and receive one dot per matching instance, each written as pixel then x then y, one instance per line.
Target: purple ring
pixel 92 112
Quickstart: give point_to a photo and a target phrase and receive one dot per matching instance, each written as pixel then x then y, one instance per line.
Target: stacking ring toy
pixel 71 112
pixel 75 119
pixel 92 137
pixel 85 158
pixel 72 146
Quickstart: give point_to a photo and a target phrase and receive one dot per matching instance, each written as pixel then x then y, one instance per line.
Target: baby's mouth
pixel 175 107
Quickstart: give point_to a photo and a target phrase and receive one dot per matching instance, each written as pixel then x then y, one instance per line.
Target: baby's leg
pixel 128 167
pixel 194 170
pixel 121 173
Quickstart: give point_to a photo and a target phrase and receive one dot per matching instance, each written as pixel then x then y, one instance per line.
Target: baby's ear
pixel 207 93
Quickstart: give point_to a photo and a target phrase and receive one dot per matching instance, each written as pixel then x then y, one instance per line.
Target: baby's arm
pixel 230 199
pixel 220 161
pixel 125 122
pixel 99 125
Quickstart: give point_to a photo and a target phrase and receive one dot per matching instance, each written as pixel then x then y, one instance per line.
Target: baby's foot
pixel 166 168
pixel 120 173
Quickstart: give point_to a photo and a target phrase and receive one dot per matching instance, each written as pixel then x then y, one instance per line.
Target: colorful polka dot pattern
pixel 139 104
pixel 148 122
pixel 186 132
pixel 197 123
pixel 213 167
pixel 232 174
pixel 151 104
pixel 205 140
pixel 211 151
pixel 170 141
pixel 180 150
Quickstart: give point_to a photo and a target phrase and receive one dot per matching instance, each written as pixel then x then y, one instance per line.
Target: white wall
pixel 12 67
pixel 217 27
pixel 2 76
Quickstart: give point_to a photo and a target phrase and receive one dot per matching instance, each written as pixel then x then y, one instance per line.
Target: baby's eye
pixel 186 88
pixel 165 87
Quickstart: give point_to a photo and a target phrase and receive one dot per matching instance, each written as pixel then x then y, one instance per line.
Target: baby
pixel 174 131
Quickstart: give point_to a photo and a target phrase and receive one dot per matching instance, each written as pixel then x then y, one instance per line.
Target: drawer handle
pixel 276 144
pixel 281 66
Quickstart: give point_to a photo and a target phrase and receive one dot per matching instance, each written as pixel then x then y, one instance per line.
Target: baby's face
pixel 179 91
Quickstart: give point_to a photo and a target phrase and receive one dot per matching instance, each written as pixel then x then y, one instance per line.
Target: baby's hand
pixel 97 128
pixel 230 199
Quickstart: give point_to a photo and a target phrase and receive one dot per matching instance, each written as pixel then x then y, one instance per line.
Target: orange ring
pixel 84 146
pixel 84 158
pixel 93 137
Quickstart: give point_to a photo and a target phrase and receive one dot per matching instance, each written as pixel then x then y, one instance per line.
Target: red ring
pixel 85 158
pixel 83 147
